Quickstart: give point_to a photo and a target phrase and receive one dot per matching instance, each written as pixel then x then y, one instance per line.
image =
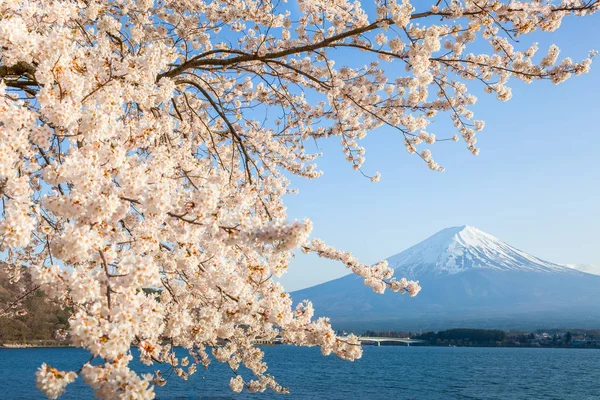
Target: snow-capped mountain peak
pixel 469 278
pixel 458 249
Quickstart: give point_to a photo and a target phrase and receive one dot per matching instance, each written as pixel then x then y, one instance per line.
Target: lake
pixel 386 372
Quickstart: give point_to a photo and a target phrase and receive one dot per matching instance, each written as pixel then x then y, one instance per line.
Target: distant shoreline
pixel 383 344
pixel 456 337
pixel 31 345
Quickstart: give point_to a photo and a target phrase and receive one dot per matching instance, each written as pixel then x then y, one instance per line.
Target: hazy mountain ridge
pixel 588 268
pixel 469 278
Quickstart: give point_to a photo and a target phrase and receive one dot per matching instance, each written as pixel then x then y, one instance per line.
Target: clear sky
pixel 534 185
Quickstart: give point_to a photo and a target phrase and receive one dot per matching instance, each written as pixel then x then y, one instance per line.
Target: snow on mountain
pixel 469 279
pixel 588 268
pixel 458 249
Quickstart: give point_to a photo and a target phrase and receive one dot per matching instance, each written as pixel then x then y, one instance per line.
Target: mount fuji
pixel 469 279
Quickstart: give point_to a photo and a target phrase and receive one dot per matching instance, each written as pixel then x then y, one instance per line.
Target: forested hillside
pixel 36 319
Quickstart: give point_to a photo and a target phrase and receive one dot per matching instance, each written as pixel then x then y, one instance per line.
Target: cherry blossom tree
pixel 146 146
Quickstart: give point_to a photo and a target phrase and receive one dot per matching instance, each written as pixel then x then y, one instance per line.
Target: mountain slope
pixel 458 249
pixel 469 278
pixel 589 268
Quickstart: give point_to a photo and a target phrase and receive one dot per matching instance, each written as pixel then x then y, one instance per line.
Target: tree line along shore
pixel 42 319
pixel 467 337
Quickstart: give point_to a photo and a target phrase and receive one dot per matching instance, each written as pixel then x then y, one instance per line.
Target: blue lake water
pixel 383 373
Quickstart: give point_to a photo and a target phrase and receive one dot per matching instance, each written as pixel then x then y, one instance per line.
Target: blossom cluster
pixel 52 381
pixel 146 149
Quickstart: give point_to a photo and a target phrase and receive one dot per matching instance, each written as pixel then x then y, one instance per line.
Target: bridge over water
pixel 408 341
pixel 369 339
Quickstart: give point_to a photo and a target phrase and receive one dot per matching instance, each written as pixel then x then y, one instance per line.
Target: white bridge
pixel 369 339
pixel 408 341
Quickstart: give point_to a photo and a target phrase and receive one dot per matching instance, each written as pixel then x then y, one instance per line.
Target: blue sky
pixel 534 185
